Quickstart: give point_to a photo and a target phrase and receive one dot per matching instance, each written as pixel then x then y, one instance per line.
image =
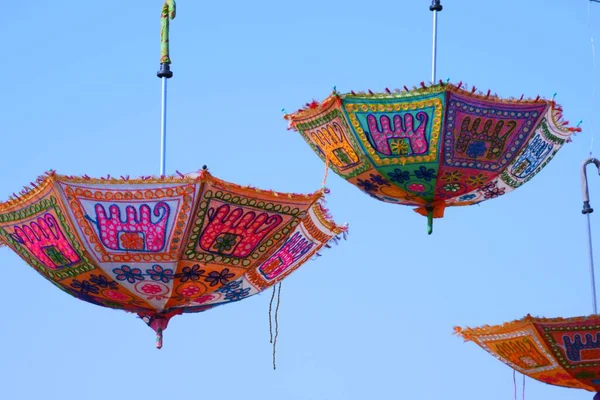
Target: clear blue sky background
pixel 373 317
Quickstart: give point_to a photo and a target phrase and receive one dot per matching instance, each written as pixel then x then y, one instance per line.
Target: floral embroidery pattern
pixel 416 187
pixel 476 149
pixel 158 273
pixel 452 176
pixel 367 185
pixel 126 273
pixel 103 282
pixel 379 180
pixel 451 187
pixel 424 173
pixel 84 287
pixel 190 291
pixel 190 274
pixel 399 176
pixel 477 180
pixel 237 294
pixel 225 243
pixel 215 278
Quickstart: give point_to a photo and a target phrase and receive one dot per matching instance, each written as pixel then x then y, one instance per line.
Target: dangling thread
pixel 515 382
pixel 523 398
pixel 276 323
pixel 326 171
pixel 270 316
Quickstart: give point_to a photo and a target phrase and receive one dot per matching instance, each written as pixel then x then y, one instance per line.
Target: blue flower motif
pixel 367 185
pixel 476 149
pixel 425 173
pixel 222 277
pixel 126 273
pixel 84 287
pixel 467 197
pixel 399 176
pixel 237 294
pixel 379 180
pixel 103 282
pixel 191 274
pixel 230 287
pixel 158 273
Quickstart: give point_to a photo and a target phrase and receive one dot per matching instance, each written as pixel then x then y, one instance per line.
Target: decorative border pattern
pixel 185 192
pixel 190 253
pixel 320 121
pixel 48 203
pixel 436 103
pixel 527 332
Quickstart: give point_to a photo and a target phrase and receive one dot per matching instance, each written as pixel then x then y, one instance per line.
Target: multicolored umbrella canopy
pixel 159 247
pixel 558 351
pixel 433 147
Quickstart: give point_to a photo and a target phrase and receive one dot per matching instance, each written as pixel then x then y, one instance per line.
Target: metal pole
pixel 587 210
pixel 163 127
pixel 167 13
pixel 435 7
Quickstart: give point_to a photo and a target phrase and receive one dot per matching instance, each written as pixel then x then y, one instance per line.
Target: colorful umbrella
pixel 558 351
pixel 433 146
pixel 159 247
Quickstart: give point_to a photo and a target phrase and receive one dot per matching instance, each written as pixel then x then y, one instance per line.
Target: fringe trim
pixel 470 333
pixel 202 176
pixel 314 107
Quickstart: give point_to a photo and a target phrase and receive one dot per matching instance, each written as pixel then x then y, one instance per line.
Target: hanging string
pixel 276 321
pixel 515 382
pixel 326 171
pixel 270 316
pixel 594 79
pixel 523 398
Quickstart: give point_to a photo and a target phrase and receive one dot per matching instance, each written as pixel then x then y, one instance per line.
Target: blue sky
pixel 373 317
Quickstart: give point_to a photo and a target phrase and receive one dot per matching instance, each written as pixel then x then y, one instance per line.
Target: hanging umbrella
pixel 433 146
pixel 159 247
pixel 167 245
pixel 558 351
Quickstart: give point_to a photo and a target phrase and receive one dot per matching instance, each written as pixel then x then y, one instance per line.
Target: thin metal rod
pixel 167 13
pixel 434 48
pixel 591 258
pixel 435 7
pixel 163 127
pixel 587 210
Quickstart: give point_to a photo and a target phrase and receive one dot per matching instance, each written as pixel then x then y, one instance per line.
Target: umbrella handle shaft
pixel 163 127
pixel 167 14
pixel 435 7
pixel 591 258
pixel 587 210
pixel 434 48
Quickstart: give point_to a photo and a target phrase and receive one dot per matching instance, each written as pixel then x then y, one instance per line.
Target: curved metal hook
pixel 587 209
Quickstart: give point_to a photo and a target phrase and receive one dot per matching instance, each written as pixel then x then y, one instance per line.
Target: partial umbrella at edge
pixel 435 146
pixel 557 351
pixel 160 247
